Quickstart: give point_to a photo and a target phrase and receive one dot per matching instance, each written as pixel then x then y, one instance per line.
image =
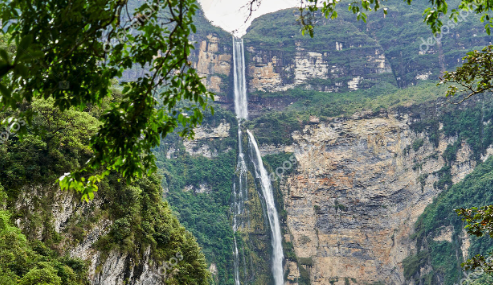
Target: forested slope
pixel 126 234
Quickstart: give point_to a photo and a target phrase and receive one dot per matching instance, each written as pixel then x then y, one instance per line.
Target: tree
pixel 479 223
pixel 71 51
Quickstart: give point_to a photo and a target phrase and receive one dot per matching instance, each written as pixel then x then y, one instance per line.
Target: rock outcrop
pixel 115 267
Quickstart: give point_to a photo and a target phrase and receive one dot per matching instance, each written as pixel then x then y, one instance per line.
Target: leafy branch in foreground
pixel 433 16
pixel 473 77
pixel 479 223
pixel 71 51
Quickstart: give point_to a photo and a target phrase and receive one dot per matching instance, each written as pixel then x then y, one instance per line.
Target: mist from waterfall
pixel 240 187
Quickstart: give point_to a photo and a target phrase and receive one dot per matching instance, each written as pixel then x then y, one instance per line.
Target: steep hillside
pixel 126 235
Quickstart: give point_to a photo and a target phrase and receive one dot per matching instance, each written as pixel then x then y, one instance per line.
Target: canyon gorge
pixel 328 160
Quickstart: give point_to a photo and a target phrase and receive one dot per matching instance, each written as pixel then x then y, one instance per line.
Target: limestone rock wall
pixel 273 71
pixel 213 60
pixel 199 145
pixel 356 193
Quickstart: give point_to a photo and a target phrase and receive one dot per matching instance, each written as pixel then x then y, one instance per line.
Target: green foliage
pixel 140 219
pixel 413 263
pixel 479 223
pixel 304 276
pixel 399 36
pixel 479 220
pixel 60 55
pixel 204 214
pixel 46 275
pixel 275 128
pixel 338 206
pixel 444 178
pixel 422 180
pixel 471 124
pixel 450 153
pixel 283 163
pixel 60 145
pixel 288 250
pixel 21 261
pixel 305 261
pixel 473 77
pixel 474 190
pixel 432 15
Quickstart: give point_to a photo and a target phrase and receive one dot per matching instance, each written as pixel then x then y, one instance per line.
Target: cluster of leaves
pixel 55 142
pixel 473 77
pixel 479 223
pixel 71 52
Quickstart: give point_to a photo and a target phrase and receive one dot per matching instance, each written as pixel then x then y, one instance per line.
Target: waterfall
pixel 241 104
pixel 240 195
pixel 240 187
pixel 241 108
pixel 268 193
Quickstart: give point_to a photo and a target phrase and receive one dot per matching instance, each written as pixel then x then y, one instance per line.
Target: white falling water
pixel 240 192
pixel 241 103
pixel 241 109
pixel 239 198
pixel 237 263
pixel 268 193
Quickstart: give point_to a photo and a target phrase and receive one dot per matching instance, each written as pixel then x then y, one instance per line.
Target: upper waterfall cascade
pixel 240 190
pixel 241 103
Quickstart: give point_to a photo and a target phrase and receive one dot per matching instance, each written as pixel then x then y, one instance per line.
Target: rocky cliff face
pixel 357 193
pixel 65 210
pixel 358 187
pixel 345 55
pixel 212 62
pixel 272 71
